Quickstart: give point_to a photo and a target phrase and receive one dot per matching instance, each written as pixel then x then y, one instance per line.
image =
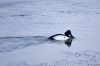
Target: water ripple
pixel 12 43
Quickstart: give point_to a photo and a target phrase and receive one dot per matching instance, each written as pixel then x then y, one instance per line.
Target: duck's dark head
pixel 68 33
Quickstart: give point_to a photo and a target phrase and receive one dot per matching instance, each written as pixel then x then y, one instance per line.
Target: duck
pixel 67 35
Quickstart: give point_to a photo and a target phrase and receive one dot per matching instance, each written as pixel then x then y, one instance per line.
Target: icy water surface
pixel 26 25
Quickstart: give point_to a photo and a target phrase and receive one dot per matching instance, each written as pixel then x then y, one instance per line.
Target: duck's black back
pixel 52 37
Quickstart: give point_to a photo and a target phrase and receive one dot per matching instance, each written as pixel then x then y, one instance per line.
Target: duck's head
pixel 68 33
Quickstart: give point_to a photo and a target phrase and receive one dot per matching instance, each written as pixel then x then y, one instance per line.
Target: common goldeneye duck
pixel 64 36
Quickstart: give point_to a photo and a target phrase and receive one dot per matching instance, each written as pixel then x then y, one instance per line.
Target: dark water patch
pixel 97 13
pixel 20 15
pixel 13 43
pixel 1 16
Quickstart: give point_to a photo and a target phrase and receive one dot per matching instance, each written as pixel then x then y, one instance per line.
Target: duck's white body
pixel 60 37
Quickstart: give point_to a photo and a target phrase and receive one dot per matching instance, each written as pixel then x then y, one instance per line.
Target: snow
pixel 25 26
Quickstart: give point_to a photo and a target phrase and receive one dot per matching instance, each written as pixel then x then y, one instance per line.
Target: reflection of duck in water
pixel 67 37
pixel 68 41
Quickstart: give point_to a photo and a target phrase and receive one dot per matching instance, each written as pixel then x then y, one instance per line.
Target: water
pixel 26 25
pixel 8 44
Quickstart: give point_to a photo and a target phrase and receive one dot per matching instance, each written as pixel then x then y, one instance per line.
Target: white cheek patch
pixel 69 35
